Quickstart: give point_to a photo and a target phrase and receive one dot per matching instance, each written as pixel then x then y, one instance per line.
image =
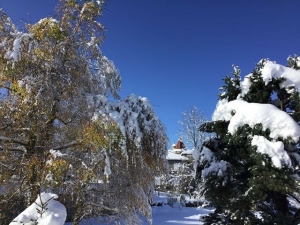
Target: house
pixel 178 155
pixel 180 162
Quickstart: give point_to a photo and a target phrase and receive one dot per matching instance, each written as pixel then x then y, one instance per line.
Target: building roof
pixel 176 152
pixel 174 156
pixel 187 152
pixel 179 145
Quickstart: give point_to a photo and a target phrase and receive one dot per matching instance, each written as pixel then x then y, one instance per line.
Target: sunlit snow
pixel 275 150
pixel 273 70
pixel 165 214
pixel 240 113
pixel 55 213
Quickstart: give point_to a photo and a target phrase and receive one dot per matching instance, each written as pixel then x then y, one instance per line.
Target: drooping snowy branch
pixel 275 150
pixel 239 113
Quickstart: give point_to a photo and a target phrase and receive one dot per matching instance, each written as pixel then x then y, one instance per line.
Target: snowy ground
pixel 169 215
pixel 176 215
pixel 166 214
pixel 54 213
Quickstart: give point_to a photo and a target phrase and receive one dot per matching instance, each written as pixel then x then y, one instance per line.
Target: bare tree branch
pixel 189 132
pixel 5 126
pixel 103 206
pixel 12 140
pixel 13 149
pixel 71 144
pixel 7 166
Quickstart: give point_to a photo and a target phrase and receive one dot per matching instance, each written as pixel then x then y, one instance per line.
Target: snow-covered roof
pixel 187 152
pixel 179 145
pixel 173 156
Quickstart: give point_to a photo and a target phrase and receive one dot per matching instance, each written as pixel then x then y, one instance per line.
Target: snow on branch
pixel 275 150
pixel 240 113
pixel 270 71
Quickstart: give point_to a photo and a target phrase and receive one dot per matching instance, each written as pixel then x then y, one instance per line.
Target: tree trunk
pixel 281 203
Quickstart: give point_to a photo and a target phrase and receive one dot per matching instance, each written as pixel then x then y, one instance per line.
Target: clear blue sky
pixel 176 52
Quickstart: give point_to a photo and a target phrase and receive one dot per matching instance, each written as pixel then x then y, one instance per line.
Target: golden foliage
pixel 101 134
pixel 47 28
pixel 44 107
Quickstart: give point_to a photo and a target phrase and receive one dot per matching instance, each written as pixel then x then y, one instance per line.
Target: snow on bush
pixel 44 211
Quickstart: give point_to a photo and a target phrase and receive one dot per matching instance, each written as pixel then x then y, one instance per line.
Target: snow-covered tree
pixel 189 132
pixel 181 179
pixel 251 166
pixel 59 128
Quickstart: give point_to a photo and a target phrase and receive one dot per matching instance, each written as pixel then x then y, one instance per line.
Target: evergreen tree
pixel 236 170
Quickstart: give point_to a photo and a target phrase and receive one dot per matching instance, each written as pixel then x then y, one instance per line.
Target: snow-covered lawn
pixel 177 214
pixel 166 214
pixel 186 215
